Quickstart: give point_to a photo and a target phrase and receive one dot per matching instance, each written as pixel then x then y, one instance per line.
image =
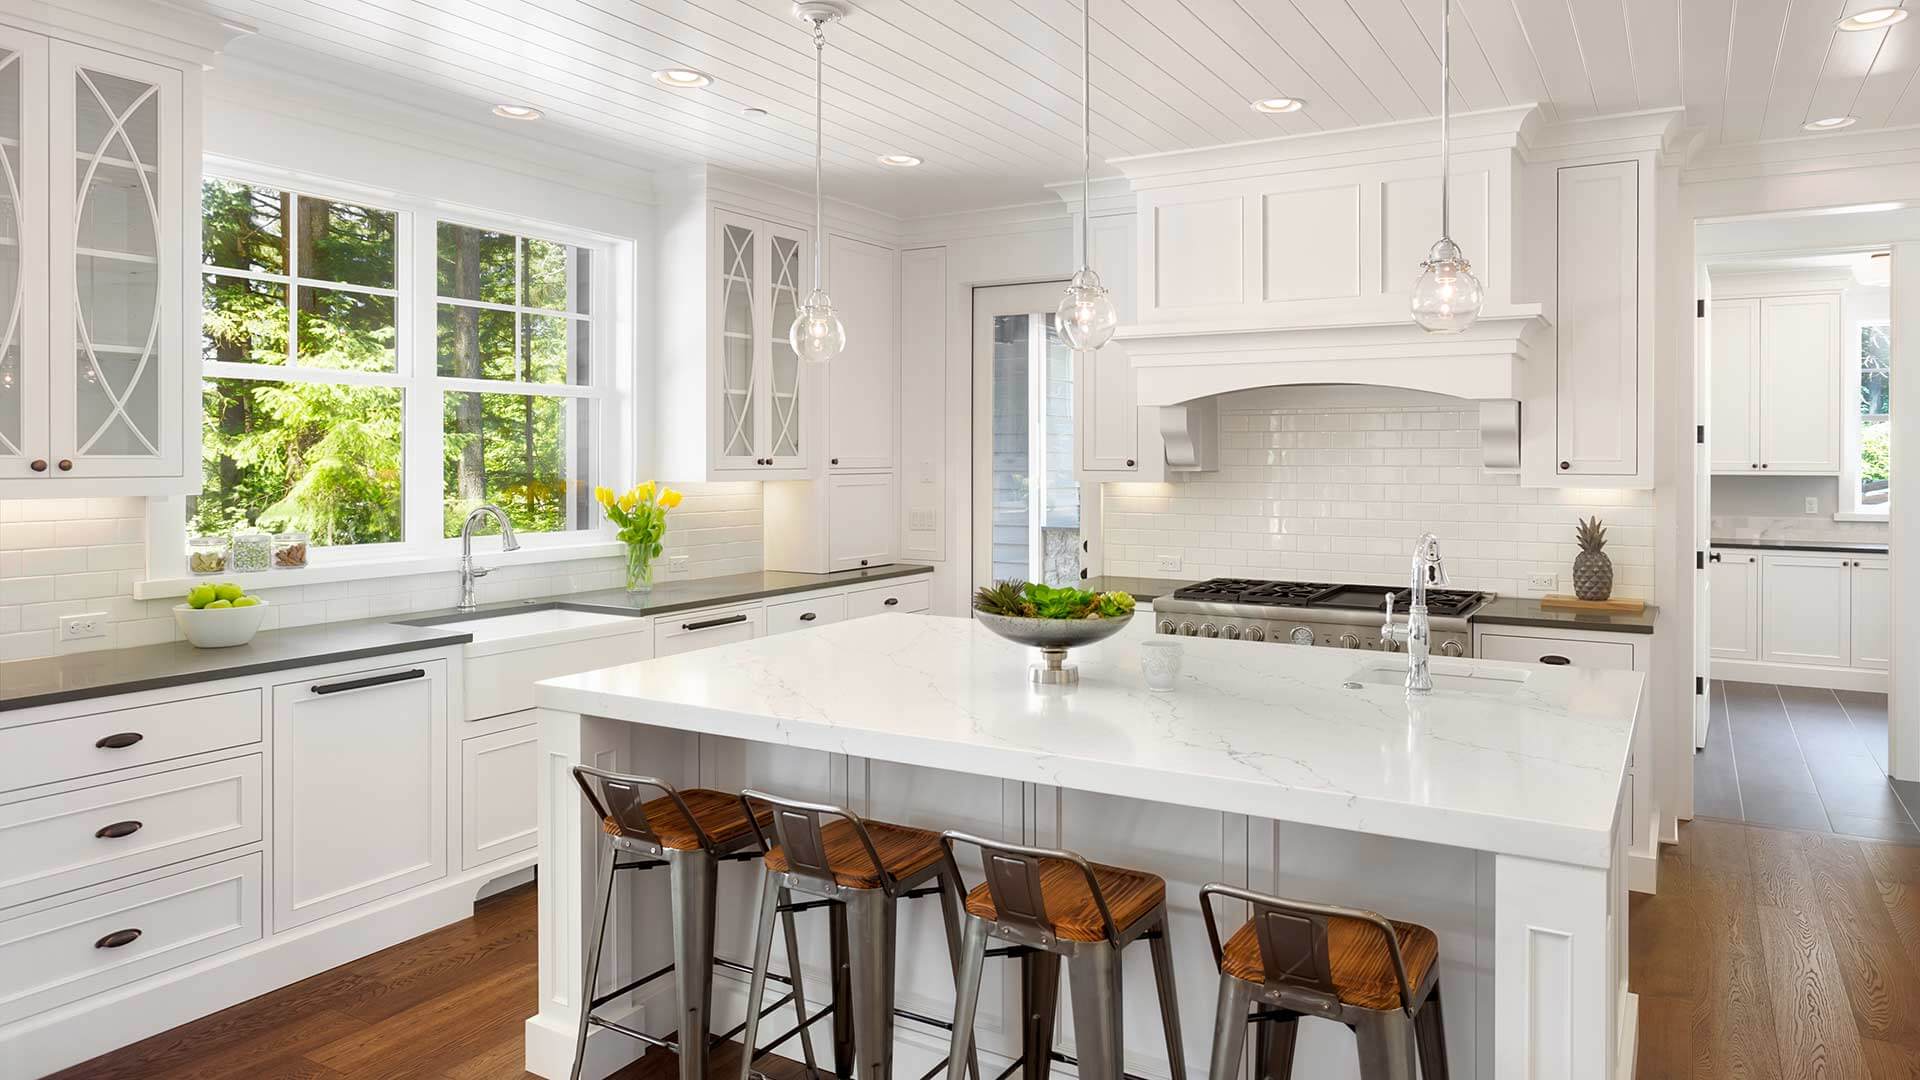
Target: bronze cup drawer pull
pixel 118 938
pixel 119 740
pixel 1555 660
pixel 118 829
pixel 893 601
pixel 808 616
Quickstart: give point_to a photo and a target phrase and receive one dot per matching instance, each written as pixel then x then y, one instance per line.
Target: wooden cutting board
pixel 1617 606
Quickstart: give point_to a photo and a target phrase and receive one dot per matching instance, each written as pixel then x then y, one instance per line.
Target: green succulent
pixel 1032 600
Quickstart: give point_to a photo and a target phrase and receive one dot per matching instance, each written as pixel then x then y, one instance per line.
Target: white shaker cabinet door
pixel 498 787
pixel 860 514
pixel 1805 609
pixel 359 788
pixel 1598 374
pixel 865 281
pixel 1871 640
pixel 1734 588
pixel 1800 384
pixel 1108 425
pixel 1733 410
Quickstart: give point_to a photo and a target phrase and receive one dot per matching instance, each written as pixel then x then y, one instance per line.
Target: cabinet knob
pixel 1564 466
pixel 1129 463
pixel 66 465
pixel 38 465
pixel 835 461
pixel 1753 465
pixel 1765 465
pixel 1715 557
pixel 863 562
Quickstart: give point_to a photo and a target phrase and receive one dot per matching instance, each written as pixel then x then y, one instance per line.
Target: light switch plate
pixel 679 564
pixel 922 520
pixel 92 624
pixel 1813 505
pixel 1170 563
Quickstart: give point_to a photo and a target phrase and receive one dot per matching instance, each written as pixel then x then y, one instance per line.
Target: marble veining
pixel 1252 728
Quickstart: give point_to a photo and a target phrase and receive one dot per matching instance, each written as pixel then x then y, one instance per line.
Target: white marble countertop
pixel 1251 728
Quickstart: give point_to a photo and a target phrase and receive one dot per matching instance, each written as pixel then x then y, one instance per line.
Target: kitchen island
pixel 1490 811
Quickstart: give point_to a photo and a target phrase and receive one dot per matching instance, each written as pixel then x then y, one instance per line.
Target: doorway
pixel 1029 521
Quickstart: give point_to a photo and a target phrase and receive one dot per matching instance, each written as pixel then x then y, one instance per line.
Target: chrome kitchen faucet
pixel 468 571
pixel 1428 571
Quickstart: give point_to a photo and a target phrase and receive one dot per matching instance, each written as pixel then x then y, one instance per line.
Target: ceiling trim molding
pixel 155 27
pixel 1658 131
pixel 1111 195
pixel 1805 155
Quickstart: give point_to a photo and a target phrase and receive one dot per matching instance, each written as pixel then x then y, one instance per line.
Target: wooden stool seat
pixel 1130 895
pixel 719 814
pixel 1357 954
pixel 904 852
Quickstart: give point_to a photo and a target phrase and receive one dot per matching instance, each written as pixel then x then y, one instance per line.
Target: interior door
pixel 1032 520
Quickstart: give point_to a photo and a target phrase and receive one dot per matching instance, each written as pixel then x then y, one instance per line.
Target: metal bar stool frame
pixel 1389 1040
pixel 617 800
pixel 1013 881
pixel 864 933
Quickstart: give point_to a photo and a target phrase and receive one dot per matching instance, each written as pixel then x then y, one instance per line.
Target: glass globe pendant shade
pixel 817 335
pixel 1447 297
pixel 1086 313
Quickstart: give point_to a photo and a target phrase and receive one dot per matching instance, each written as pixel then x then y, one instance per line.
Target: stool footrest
pixel 630 987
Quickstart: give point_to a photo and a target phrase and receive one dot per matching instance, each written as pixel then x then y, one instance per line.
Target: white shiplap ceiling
pixel 987 91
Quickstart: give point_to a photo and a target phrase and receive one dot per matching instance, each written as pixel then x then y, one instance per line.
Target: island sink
pixel 1474 679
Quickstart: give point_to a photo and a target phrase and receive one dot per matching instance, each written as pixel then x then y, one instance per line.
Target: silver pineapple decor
pixel 1592 569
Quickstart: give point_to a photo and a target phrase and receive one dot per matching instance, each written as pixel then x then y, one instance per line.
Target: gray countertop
pixel 78 676
pixel 1522 611
pixel 1847 547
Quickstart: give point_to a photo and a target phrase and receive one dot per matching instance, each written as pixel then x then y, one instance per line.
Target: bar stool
pixel 1054 905
pixel 861 869
pixel 1378 977
pixel 691 833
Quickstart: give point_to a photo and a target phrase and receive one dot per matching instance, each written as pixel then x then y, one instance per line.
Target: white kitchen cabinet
pixel 756 384
pixel 1117 439
pixel 686 631
pixel 1806 609
pixel 1870 613
pixel 1775 385
pixel 1598 282
pixel 499 782
pixel 904 596
pixel 843 522
pixel 864 280
pixel 359 787
pixel 806 613
pixel 99 212
pixel 1734 585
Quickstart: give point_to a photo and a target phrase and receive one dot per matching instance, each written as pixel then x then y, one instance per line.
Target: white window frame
pixel 1850 507
pixel 610 395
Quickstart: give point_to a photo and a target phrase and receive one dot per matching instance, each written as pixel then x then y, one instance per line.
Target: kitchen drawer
pixel 64 953
pixel 807 612
pixel 690 630
pixel 77 746
pixel 1608 655
pixel 906 595
pixel 502 682
pixel 78 838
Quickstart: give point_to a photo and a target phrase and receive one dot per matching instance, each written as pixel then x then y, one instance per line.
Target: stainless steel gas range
pixel 1311 613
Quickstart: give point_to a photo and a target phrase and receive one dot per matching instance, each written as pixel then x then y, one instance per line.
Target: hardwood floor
pixel 1767 955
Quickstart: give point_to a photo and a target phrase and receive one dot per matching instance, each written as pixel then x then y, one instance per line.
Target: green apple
pixel 219 604
pixel 201 595
pixel 246 601
pixel 227 590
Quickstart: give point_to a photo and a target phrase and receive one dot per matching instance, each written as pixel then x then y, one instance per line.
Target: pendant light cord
pixel 819 201
pixel 1086 133
pixel 1446 65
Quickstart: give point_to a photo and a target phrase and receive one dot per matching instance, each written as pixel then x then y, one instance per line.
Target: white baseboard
pixel 73 1033
pixel 1643 860
pixel 1826 678
pixel 1629 1051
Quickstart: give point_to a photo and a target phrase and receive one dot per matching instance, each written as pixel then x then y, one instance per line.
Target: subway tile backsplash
pixel 1340 494
pixel 68 556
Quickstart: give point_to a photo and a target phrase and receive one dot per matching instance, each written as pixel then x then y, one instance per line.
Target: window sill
pixel 348 569
pixel 1881 517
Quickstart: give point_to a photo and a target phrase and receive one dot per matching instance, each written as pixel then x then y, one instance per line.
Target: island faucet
pixel 468 571
pixel 1428 570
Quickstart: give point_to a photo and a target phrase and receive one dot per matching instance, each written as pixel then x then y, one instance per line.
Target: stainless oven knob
pixel 1209 630
pixel 1300 635
pixel 1451 647
pixel 1186 629
pixel 1254 633
pixel 1349 641
pixel 1230 632
pixel 1166 626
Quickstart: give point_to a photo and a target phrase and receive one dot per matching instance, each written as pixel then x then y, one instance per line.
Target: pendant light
pixel 817 335
pixel 1447 297
pixel 1086 314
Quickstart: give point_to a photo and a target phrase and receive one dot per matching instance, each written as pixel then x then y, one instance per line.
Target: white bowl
pixel 219 628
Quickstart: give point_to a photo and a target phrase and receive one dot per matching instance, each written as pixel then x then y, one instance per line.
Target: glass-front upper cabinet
pixel 23 245
pixel 757 381
pixel 114 252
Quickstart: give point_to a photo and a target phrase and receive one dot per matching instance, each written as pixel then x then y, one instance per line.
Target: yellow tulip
pixel 628 501
pixel 645 491
pixel 670 498
pixel 604 495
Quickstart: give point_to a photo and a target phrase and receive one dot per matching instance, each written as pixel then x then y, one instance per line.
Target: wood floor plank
pixel 1814 1023
pixel 1882 981
pixel 1885 1061
pixel 459 1023
pixel 1666 1038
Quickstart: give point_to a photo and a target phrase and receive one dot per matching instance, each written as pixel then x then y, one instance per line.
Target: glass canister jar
pixel 207 555
pixel 252 552
pixel 289 550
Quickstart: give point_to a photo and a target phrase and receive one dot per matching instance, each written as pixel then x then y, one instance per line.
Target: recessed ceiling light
pixel 1279 105
pixel 1829 123
pixel 517 112
pixel 753 112
pixel 899 161
pixel 681 78
pixel 1872 18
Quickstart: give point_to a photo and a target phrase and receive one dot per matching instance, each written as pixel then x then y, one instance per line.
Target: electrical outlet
pixel 93 624
pixel 1543 582
pixel 1170 563
pixel 678 564
pixel 1813 505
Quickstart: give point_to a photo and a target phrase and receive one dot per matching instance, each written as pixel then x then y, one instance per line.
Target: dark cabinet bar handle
pixel 808 616
pixel 893 601
pixel 708 624
pixel 117 830
pixel 118 938
pixel 119 740
pixel 371 680
pixel 1555 659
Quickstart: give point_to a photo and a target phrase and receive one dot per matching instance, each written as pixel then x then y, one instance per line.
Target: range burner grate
pixel 1304 594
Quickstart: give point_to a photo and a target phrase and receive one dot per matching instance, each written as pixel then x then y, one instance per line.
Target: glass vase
pixel 639 568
